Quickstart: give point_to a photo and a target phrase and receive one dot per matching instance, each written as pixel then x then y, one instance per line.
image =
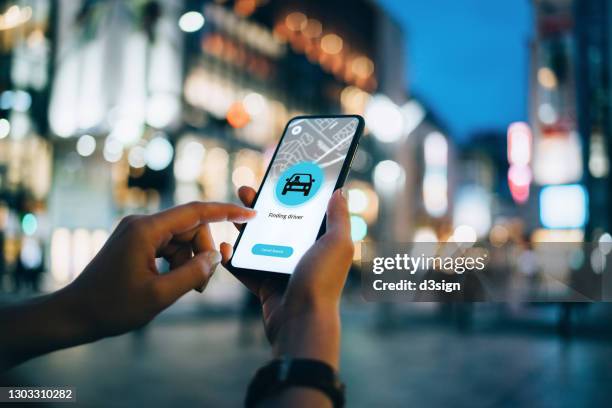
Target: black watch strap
pixel 286 372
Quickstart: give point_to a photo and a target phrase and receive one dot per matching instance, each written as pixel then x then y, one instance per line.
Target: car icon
pixel 298 182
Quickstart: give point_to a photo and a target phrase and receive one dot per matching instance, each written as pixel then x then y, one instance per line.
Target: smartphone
pixel 311 161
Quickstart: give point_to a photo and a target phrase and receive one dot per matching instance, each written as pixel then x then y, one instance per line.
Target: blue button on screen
pixel 299 184
pixel 277 251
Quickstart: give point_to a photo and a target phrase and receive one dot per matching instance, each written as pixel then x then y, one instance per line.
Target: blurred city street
pixel 487 130
pixel 184 360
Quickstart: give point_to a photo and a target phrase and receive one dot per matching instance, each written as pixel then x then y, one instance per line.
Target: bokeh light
pixel 113 150
pixel 357 200
pixel 86 145
pixel 388 175
pixel 136 157
pixel 191 21
pixel 384 119
pixel 331 44
pixel 29 224
pixel 158 153
pixel 359 228
pixel 5 128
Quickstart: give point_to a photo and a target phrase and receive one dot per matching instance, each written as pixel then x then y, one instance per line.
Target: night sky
pixel 467 60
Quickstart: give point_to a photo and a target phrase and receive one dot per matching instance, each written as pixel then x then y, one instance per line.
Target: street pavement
pixel 420 358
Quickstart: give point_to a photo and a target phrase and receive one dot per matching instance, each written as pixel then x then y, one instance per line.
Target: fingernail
pixel 342 192
pixel 249 216
pixel 213 258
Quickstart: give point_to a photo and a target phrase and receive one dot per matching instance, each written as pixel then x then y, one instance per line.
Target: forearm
pixel 37 326
pixel 313 336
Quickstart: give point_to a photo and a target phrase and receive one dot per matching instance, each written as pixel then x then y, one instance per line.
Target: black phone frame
pixel 346 165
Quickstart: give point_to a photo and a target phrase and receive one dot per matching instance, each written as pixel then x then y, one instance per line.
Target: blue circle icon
pixel 299 183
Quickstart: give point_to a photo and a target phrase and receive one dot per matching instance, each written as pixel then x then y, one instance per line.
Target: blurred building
pixel 594 115
pixel 423 207
pixel 114 107
pixel 26 49
pixel 559 142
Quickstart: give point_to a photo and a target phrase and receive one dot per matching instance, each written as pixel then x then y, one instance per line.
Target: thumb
pixel 338 220
pixel 193 274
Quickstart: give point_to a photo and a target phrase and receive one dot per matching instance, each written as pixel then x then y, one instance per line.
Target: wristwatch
pixel 286 372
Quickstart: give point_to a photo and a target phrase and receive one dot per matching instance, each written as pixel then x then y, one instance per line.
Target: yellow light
pixel 547 78
pixel 296 21
pixel 357 200
pixel 313 28
pixel 557 235
pixel 36 38
pixel 331 44
pixel 354 100
pixel 499 235
pixel 363 200
pixel 362 67
pixel 14 16
pixel 425 234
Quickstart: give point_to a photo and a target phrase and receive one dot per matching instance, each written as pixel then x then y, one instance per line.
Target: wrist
pixel 70 315
pixel 313 334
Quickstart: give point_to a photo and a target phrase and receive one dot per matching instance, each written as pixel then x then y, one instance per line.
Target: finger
pixel 188 216
pixel 203 240
pixel 246 195
pixel 185 237
pixel 338 219
pixel 251 283
pixel 337 237
pixel 176 242
pixel 226 252
pixel 199 238
pixel 180 257
pixel 192 275
pixel 167 250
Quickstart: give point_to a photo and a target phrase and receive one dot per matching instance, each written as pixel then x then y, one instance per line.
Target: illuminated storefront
pixel 151 104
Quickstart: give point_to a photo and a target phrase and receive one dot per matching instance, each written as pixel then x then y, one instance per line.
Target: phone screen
pixel 293 197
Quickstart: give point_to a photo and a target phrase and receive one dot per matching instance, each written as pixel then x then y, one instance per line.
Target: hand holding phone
pixel 311 161
pixel 301 315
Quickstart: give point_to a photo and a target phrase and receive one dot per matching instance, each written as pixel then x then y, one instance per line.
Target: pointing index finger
pixel 188 216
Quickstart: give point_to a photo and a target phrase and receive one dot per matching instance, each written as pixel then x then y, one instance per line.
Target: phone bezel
pixel 346 165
